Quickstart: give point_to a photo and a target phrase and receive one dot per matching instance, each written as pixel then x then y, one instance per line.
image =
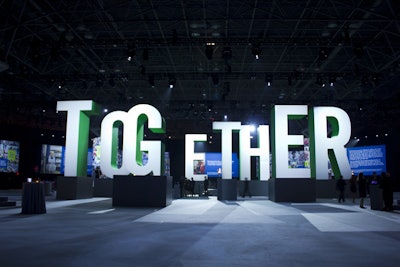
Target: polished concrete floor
pixel 199 232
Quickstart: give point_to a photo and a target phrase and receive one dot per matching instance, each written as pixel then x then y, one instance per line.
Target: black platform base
pixel 74 187
pixel 142 191
pixel 256 188
pixel 292 190
pixel 326 188
pixel 103 187
pixel 227 189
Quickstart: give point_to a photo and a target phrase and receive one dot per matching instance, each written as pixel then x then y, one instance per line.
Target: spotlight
pixel 131 52
pixel 256 50
pixel 268 79
pixel 332 80
pixel 61 84
pixel 172 81
pixel 319 81
pixel 210 107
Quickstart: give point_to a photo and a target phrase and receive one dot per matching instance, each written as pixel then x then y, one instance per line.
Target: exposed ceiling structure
pixel 234 58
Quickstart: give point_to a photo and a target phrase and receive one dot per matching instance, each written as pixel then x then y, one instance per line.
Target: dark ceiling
pixel 74 50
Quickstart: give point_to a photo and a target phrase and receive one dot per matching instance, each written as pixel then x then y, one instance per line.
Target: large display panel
pixel 53 157
pixel 300 158
pixel 9 156
pixel 213 164
pixel 367 159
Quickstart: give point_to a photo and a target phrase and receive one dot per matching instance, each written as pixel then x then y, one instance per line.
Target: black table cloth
pixel 33 198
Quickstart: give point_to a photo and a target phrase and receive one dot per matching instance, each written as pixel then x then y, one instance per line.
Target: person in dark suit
pixel 246 189
pixel 353 187
pixel 340 184
pixel 205 186
pixel 387 191
pixel 362 188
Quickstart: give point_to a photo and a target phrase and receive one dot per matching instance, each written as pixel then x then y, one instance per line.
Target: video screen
pixel 53 158
pixel 367 159
pixel 9 156
pixel 300 158
pixel 213 165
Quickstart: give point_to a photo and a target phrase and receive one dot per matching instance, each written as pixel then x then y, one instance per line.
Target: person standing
pixel 205 186
pixel 362 188
pixel 340 184
pixel 353 187
pixel 246 187
pixel 387 191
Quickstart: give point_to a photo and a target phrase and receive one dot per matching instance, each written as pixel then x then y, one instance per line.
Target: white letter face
pixel 133 144
pixel 77 134
pixel 246 152
pixel 190 156
pixel 324 148
pixel 281 140
pixel 226 129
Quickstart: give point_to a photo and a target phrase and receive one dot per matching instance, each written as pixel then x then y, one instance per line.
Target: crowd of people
pixel 360 185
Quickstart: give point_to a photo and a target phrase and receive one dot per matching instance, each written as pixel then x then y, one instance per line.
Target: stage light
pixel 332 80
pixel 131 52
pixel 268 79
pixel 256 50
pixel 61 84
pixel 172 81
pixel 319 81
